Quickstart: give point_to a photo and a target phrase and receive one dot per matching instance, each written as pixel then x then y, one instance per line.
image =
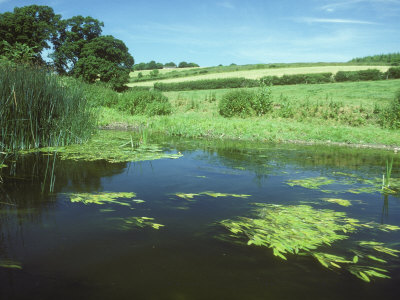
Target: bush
pixel 390 117
pixel 236 103
pixel 244 103
pixel 144 103
pixel 298 79
pixel 38 109
pixel 361 75
pixel 393 73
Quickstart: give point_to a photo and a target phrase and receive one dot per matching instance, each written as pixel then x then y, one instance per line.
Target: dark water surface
pixel 70 250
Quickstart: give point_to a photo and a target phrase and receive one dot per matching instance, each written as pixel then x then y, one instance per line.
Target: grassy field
pixel 351 106
pixel 258 73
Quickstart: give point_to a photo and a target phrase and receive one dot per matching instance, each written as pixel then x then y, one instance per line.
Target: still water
pixel 162 237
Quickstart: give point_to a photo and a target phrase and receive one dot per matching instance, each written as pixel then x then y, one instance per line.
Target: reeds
pixel 36 110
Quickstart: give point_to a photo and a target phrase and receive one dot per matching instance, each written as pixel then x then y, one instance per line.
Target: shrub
pixel 298 79
pixel 361 75
pixel 236 103
pixel 393 73
pixel 144 102
pixel 244 103
pixel 38 109
pixel 261 102
pixel 390 117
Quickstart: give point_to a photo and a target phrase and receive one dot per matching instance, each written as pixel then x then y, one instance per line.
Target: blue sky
pixel 242 32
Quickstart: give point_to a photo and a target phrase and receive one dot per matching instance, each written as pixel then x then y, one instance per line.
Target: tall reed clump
pixel 36 110
pixel 390 116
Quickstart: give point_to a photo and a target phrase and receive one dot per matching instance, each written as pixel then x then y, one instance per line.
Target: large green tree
pixel 32 25
pixel 73 35
pixel 107 59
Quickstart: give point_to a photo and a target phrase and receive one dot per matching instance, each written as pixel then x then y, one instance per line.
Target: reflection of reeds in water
pixel 386 180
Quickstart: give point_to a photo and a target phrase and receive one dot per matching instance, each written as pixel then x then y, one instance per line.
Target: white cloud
pixel 335 21
pixel 343 5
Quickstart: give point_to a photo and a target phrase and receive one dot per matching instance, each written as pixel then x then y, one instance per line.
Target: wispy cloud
pixel 3 1
pixel 335 21
pixel 343 5
pixel 226 4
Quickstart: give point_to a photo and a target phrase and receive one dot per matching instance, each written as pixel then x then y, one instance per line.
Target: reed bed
pixel 37 110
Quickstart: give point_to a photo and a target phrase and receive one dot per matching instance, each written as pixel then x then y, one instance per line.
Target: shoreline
pixel 135 127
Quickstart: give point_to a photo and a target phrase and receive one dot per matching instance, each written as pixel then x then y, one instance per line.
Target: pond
pixel 128 217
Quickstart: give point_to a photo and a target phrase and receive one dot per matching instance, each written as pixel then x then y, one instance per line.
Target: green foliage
pixel 113 147
pixel 236 103
pixel 144 103
pixel 393 73
pixel 17 53
pixel 37 110
pixel 244 103
pixel 388 59
pixel 390 116
pixel 262 103
pixel 207 84
pixel 298 79
pixel 33 26
pixel 361 75
pixel 154 73
pixel 72 35
pixel 184 64
pixel 101 198
pixel 107 59
pixel 303 230
pixel 152 65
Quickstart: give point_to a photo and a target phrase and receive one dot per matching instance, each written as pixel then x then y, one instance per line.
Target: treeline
pixel 79 48
pixel 314 78
pixel 392 59
pixel 153 65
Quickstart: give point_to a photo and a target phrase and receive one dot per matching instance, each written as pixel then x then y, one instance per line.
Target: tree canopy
pixel 105 58
pixel 73 35
pixel 32 25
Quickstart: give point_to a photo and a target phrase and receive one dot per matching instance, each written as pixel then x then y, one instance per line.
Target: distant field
pixel 256 74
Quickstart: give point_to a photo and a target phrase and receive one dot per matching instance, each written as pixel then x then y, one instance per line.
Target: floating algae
pixel 190 196
pixel 10 264
pixel 313 183
pixel 113 147
pixel 302 229
pixel 136 222
pixel 368 186
pixel 101 198
pixel 342 202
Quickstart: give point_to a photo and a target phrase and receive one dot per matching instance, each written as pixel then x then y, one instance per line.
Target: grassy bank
pixel 197 125
pixel 322 113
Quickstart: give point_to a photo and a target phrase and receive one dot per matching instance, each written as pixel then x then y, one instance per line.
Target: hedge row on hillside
pixel 207 84
pixel 225 83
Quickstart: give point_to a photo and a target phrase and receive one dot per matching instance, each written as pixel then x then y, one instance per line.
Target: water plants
pixel 115 147
pixel 101 198
pixel 342 202
pixel 136 222
pixel 10 264
pixel 304 230
pixel 190 196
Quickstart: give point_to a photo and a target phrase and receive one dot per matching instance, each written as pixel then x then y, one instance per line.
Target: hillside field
pixel 255 74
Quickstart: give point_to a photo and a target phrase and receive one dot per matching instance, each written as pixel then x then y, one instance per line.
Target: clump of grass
pixel 38 110
pixel 149 103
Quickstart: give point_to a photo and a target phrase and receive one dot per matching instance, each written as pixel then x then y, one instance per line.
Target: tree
pixel 170 65
pixel 107 59
pixel 73 35
pixel 33 26
pixel 17 53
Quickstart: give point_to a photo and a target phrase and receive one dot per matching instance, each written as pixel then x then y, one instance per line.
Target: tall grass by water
pixel 38 110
